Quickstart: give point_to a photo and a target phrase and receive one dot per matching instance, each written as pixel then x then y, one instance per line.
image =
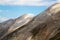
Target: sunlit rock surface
pixel 44 26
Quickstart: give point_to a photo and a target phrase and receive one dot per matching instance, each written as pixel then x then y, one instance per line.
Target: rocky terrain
pixel 44 26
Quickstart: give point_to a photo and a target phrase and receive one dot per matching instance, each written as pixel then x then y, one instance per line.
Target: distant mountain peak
pixel 13 24
pixel 25 16
pixel 22 20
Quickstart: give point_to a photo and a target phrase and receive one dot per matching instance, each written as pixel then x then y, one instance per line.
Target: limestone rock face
pixel 45 26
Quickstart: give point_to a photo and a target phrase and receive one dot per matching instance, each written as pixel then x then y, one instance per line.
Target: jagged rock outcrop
pixel 45 26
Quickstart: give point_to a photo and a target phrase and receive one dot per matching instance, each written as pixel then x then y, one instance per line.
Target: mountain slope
pixel 44 26
pixel 13 24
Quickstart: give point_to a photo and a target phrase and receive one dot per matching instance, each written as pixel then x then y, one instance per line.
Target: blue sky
pixel 15 11
pixel 15 8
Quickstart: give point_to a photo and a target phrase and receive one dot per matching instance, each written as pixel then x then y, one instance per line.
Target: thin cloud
pixel 28 2
pixel 2 19
pixel 58 0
